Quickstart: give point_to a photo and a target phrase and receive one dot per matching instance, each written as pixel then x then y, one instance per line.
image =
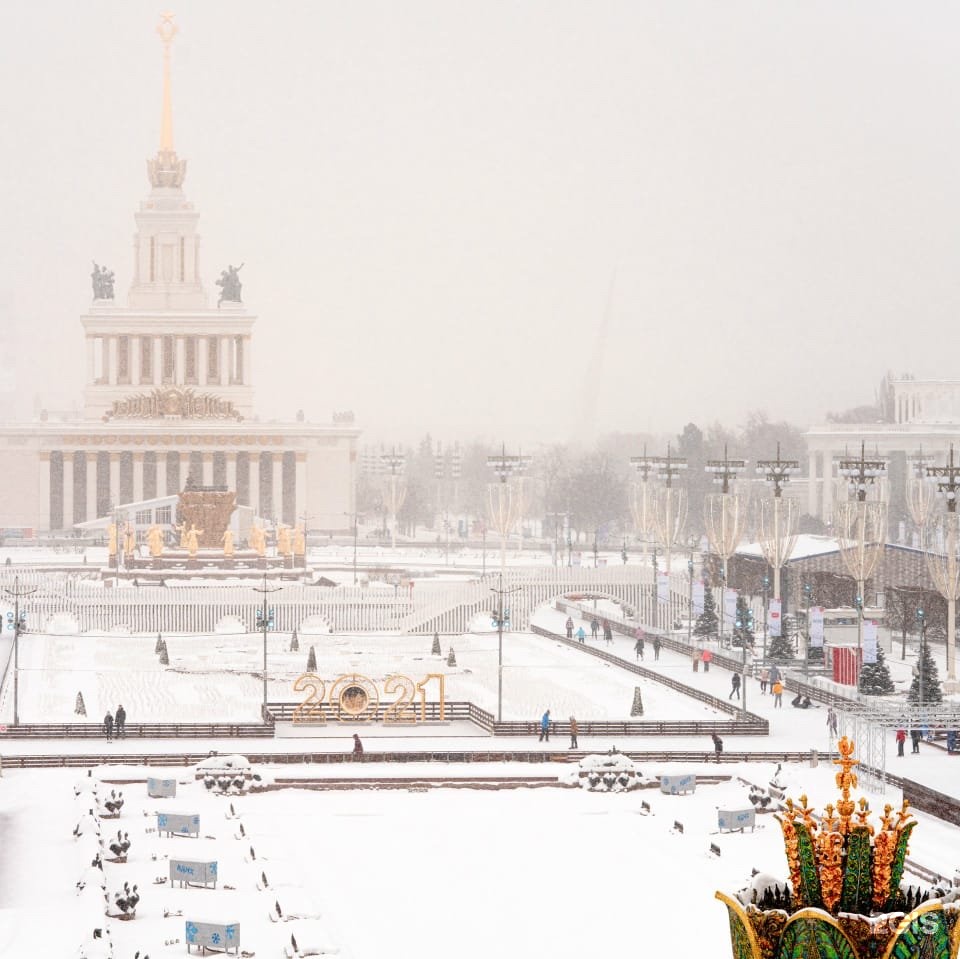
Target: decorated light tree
pixel 707 621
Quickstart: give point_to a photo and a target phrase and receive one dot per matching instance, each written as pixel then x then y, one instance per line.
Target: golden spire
pixel 167 30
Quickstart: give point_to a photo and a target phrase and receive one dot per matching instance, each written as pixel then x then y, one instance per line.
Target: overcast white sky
pixel 443 205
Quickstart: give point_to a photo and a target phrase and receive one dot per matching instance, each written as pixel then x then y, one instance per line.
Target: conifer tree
pixel 875 677
pixel 80 709
pixel 164 655
pixel 743 618
pixel 927 670
pixel 294 643
pixel 637 708
pixel 707 622
pixel 780 648
pixel 312 661
pixel 159 643
pixel 451 658
pixel 436 651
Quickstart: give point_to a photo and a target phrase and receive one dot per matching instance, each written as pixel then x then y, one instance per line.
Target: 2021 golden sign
pixel 354 698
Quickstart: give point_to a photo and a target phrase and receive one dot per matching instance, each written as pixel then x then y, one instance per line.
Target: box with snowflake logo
pixel 220 936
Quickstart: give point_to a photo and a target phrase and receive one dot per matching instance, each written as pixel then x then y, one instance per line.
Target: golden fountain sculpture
pixel 845 898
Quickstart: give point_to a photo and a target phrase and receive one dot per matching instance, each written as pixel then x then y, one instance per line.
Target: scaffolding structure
pixel 867 723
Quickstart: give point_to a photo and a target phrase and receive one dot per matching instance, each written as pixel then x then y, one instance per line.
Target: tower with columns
pixel 169 391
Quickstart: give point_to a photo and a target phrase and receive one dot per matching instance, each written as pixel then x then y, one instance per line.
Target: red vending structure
pixel 846 665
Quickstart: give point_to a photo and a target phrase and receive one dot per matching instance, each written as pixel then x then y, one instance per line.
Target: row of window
pixel 168 360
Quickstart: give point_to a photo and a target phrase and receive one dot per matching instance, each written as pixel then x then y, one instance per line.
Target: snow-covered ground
pixel 529 871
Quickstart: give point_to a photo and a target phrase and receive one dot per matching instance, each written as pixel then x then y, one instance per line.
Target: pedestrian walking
pixel 764 679
pixel 695 659
pixel 581 635
pixel 607 632
pixel 573 733
pixel 734 686
pixel 545 726
pixel 717 745
pixel 638 646
pixel 120 722
pixel 777 690
pixel 357 745
pixel 915 740
pixel 569 625
pixel 707 659
pixel 594 627
pixel 901 738
pixel 775 676
pixel 656 647
pixel 832 720
pixel 108 726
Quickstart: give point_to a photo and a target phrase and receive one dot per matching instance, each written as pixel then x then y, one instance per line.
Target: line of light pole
pixel 690 600
pixel 778 528
pixel 264 624
pixel 501 592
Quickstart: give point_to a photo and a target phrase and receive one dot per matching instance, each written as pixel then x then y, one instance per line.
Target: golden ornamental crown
pixel 844 863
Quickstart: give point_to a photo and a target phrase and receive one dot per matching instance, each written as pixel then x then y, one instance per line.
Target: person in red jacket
pixel 707 657
pixel 901 739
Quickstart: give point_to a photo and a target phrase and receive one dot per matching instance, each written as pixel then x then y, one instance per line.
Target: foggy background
pixel 520 220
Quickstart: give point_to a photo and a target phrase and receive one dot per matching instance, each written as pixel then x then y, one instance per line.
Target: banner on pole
pixel 698 597
pixel 774 617
pixel 869 641
pixel 663 587
pixel 729 606
pixel 815 626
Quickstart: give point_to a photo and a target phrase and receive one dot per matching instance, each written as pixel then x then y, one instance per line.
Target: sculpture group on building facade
pixel 102 279
pixel 229 284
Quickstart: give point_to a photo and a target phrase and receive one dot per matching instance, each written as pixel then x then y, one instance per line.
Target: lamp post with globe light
pixel 394 462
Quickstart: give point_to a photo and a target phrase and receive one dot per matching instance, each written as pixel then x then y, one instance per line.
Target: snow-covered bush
pixel 612 772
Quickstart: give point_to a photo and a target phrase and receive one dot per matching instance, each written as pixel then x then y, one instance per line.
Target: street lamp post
pixel 265 621
pixel 766 612
pixel 725 516
pixel 394 461
pixel 922 620
pixel 690 599
pixel 669 515
pixel 943 561
pixel 505 499
pixel 779 518
pixel 19 620
pixel 500 591
pixel 641 500
pixel 862 527
pixel 356 518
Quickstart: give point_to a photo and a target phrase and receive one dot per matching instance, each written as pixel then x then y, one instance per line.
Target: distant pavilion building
pixel 917 415
pixel 169 392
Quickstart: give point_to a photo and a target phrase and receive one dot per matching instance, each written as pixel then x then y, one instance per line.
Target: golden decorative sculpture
pixel 182 530
pixel 193 540
pixel 283 540
pixel 299 542
pixel 258 540
pixel 155 540
pixel 112 539
pixel 228 542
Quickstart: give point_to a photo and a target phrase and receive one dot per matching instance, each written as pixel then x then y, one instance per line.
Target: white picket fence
pixel 428 607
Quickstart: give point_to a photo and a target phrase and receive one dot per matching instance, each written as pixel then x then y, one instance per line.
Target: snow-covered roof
pixel 807 545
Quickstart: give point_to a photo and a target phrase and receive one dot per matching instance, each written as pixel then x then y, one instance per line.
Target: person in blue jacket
pixel 545 727
pixel 581 635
